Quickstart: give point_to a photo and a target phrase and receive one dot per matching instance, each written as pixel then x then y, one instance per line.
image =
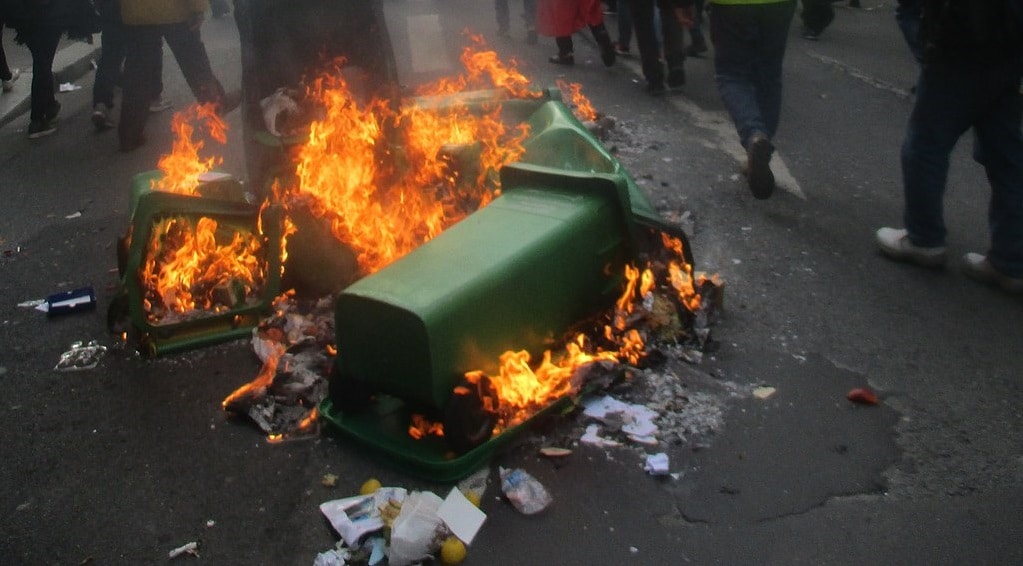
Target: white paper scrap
pixel 656 464
pixel 462 517
pixel 593 438
pixel 68 87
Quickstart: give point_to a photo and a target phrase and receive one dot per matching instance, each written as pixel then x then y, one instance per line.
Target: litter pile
pixel 406 527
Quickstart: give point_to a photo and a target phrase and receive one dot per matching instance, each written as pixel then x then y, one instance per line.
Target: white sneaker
pixel 159 105
pixel 894 243
pixel 977 267
pixel 8 85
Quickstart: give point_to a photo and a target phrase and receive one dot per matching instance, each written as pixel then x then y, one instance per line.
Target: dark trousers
pixel 5 70
pixel 143 66
pixel 504 14
pixel 817 14
pixel 642 12
pixel 108 70
pixel 951 97
pixel 42 42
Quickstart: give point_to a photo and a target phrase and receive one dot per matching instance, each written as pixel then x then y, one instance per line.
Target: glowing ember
pixel 183 166
pixel 422 427
pixel 197 265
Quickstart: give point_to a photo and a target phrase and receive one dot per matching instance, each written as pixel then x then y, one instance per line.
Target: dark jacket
pixel 974 29
pixel 77 18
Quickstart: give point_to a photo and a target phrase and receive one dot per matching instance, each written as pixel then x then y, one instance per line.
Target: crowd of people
pixel 133 33
pixel 970 55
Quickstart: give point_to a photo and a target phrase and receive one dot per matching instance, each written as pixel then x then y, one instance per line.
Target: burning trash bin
pixel 517 274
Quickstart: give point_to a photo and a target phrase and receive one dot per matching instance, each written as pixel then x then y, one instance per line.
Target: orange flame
pixel 421 427
pixel 581 106
pixel 187 265
pixel 381 174
pixel 182 167
pixel 256 386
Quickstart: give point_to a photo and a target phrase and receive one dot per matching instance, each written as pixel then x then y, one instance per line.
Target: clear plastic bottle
pixel 524 491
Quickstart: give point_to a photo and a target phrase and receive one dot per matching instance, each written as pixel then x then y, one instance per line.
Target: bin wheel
pixel 347 392
pixel 468 422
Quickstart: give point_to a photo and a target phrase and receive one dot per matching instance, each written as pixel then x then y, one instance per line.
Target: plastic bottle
pixel 526 494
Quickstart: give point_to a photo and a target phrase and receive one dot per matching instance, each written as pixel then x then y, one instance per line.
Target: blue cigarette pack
pixel 68 302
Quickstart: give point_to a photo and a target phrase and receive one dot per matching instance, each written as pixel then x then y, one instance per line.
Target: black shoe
pixel 51 115
pixel 696 48
pixel 759 175
pixel 40 128
pixel 562 59
pixel 811 34
pixel 101 119
pixel 676 78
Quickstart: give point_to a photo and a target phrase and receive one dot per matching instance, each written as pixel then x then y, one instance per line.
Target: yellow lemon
pixel 473 498
pixel 452 551
pixel 371 486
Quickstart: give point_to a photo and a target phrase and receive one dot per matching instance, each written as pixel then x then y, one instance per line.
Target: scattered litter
pixel 633 549
pixel 637 421
pixel 355 517
pixel 862 395
pixel 593 438
pixel 656 464
pixel 474 486
pixel 210 523
pixel 190 548
pixel 329 480
pixel 460 516
pixel 524 491
pixel 74 215
pixel 69 87
pixel 81 356
pixel 68 302
pixel 414 534
pixel 554 451
pixel 764 392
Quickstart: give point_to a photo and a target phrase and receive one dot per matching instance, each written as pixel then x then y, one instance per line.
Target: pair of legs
pixel 504 17
pixel 143 66
pixel 566 47
pixel 42 42
pixel 952 97
pixel 671 43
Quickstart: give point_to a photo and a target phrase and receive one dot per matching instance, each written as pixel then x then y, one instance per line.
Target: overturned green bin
pixel 516 274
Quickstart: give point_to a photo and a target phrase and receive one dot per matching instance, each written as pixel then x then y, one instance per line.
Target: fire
pixel 182 167
pixel 195 265
pixel 381 174
pixel 582 107
pixel 422 427
pixel 258 385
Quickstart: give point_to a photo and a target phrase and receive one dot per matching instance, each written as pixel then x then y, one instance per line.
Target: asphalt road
pixel 120 464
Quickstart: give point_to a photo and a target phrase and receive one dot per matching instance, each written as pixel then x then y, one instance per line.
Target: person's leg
pixel 190 53
pixel 108 70
pixel 603 39
pixel 141 65
pixel 5 71
pixel 999 148
pixel 503 18
pixel 672 44
pixel 42 42
pixel 735 34
pixel 642 12
pixel 942 113
pixel 908 15
pixel 699 43
pixel 566 51
pixel 624 25
pixel 774 33
pixel 529 19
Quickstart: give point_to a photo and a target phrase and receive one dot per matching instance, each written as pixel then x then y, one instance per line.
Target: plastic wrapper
pixel 81 356
pixel 526 494
pixel 416 532
pixel 355 517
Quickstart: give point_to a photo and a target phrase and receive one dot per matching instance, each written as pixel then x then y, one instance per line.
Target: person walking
pixel 561 18
pixel 817 15
pixel 40 25
pixel 749 38
pixel 8 76
pixel 109 70
pixel 972 68
pixel 147 24
pixel 504 19
pixel 671 44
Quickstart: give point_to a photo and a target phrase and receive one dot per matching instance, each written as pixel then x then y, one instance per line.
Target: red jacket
pixel 558 18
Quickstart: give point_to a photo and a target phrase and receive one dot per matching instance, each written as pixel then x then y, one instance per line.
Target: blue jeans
pixel 908 15
pixel 749 45
pixel 952 97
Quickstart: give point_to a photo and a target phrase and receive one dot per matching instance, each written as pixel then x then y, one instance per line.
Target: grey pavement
pixel 73 60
